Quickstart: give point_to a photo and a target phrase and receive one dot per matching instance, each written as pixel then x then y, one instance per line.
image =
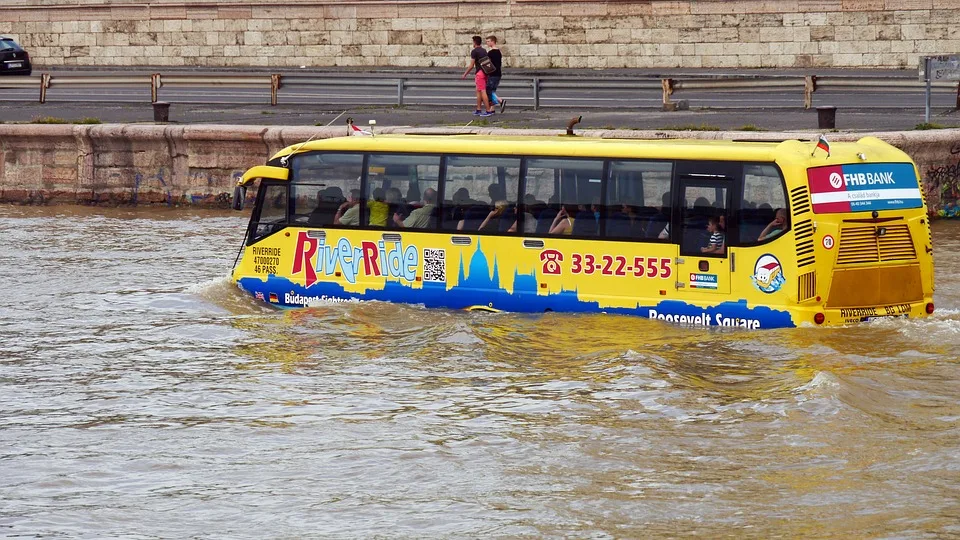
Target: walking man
pixel 479 78
pixel 493 79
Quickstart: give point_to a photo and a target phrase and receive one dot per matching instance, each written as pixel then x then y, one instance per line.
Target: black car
pixel 13 59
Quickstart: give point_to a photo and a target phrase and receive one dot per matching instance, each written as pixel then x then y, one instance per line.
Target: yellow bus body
pixel 857 244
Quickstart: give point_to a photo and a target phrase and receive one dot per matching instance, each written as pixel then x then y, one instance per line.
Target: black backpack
pixel 487 65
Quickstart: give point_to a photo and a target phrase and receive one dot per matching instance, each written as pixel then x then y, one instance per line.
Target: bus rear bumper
pixel 820 315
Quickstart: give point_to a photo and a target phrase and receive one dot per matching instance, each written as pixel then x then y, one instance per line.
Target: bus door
pixel 702 209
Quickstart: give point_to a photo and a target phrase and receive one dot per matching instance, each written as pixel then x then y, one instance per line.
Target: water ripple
pixel 143 396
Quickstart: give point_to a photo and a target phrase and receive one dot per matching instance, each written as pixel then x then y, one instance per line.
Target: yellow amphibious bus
pixel 741 234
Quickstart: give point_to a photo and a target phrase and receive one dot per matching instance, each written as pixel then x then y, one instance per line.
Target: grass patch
pixel 48 120
pixel 928 125
pixel 56 120
pixel 751 127
pixel 691 127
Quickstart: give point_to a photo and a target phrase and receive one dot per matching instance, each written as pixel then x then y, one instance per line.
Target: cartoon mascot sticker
pixel 768 274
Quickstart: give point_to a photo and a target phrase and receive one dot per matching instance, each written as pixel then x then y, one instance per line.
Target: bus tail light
pixel 818 318
pixel 930 308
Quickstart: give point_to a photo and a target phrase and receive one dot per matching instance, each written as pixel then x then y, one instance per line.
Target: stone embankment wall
pixel 199 165
pixel 534 34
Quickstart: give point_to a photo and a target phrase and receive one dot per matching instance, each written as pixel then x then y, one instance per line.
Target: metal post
pixel 400 84
pixel 154 87
pixel 926 72
pixel 44 84
pixel 274 87
pixel 536 93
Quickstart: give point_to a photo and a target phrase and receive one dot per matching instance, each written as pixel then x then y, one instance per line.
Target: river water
pixel 143 396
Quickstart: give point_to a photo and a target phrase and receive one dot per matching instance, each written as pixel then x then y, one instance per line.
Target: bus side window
pixel 321 184
pixel 481 193
pixel 638 199
pixel 401 191
pixel 573 207
pixel 763 193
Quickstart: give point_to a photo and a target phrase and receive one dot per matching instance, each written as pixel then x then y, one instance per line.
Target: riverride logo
pixel 768 274
pixel 380 259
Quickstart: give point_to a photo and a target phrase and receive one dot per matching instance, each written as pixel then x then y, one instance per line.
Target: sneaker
pixel 503 103
pixel 477 112
pixel 487 113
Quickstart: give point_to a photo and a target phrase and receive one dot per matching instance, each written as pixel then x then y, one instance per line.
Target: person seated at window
pixel 419 218
pixel 461 205
pixel 563 222
pixel 493 217
pixel 378 208
pixel 349 212
pixel 495 192
pixel 395 205
pixel 716 243
pixel 775 227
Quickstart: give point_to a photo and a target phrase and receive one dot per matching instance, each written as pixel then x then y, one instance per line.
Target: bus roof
pixel 796 152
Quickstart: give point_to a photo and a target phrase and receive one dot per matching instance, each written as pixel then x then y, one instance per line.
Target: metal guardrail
pixel 668 87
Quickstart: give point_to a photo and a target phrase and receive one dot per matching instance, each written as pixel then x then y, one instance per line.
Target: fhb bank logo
pixel 836 180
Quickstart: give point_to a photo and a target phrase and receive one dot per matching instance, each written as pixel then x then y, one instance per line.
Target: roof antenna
pixel 571 123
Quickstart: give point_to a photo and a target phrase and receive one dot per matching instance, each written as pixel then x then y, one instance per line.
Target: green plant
pixel 88 120
pixel 48 120
pixel 750 127
pixel 928 125
pixel 691 127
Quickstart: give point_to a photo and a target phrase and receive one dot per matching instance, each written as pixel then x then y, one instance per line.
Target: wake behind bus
pixel 704 233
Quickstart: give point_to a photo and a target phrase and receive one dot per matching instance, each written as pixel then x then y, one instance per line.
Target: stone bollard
pixel 827 117
pixel 161 111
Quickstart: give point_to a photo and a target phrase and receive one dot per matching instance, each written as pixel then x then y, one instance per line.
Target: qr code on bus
pixel 434 265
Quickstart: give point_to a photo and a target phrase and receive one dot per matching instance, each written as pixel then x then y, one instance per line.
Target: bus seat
pixel 545 220
pixel 507 219
pixel 585 224
pixel 656 225
pixel 619 225
pixel 474 216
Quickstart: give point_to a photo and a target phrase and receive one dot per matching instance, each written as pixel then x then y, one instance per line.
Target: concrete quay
pixel 127 164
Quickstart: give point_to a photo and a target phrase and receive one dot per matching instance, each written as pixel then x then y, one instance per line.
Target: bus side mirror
pixel 239 194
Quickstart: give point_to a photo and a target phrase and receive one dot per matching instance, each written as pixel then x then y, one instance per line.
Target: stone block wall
pixel 534 34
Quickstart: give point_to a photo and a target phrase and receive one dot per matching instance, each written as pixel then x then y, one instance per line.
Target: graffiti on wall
pixel 943 179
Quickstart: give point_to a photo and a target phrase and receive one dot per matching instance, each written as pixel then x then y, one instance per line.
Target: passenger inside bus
pixel 715 244
pixel 695 224
pixel 329 200
pixel 423 217
pixel 777 226
pixel 348 213
pixel 546 216
pixel 531 207
pixel 378 208
pixel 563 222
pixel 659 224
pixel 395 205
pixel 492 221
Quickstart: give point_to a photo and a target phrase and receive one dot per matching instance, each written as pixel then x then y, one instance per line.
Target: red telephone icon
pixel 551 260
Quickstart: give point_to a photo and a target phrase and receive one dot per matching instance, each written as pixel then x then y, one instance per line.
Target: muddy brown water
pixel 143 396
